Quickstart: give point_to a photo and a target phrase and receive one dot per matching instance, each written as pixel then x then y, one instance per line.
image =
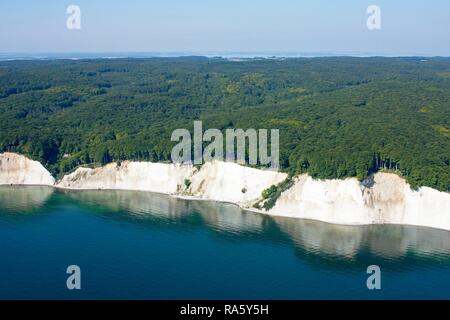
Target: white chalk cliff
pixel 218 181
pixel 19 170
pixel 230 182
pixel 388 199
pixel 144 176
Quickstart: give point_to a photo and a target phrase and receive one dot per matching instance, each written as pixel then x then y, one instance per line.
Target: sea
pixel 141 245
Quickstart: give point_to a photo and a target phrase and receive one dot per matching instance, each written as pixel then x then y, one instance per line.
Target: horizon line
pixel 18 56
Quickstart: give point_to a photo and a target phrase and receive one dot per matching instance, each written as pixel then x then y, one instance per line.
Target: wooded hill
pixel 337 117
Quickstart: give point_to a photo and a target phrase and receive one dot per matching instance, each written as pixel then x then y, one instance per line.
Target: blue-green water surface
pixel 138 245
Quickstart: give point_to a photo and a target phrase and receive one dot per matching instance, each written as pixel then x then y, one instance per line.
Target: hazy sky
pixel 408 26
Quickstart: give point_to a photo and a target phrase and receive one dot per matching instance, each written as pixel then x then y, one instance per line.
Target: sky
pixel 208 26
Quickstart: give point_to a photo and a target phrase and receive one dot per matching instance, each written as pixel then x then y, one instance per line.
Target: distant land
pixel 210 54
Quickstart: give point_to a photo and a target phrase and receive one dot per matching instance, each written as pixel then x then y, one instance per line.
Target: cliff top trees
pixel 334 114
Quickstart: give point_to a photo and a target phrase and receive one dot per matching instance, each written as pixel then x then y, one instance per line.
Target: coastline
pixel 343 202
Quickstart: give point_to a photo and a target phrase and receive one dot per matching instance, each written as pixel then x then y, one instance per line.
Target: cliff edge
pixel 386 199
pixel 19 170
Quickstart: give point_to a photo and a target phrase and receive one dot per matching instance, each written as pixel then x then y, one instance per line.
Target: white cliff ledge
pixel 19 170
pixel 143 176
pixel 389 199
pixel 219 181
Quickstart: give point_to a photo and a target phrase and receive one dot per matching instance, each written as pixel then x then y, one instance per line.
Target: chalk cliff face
pixel 219 181
pixel 19 170
pixel 387 199
pixel 144 176
pixel 230 182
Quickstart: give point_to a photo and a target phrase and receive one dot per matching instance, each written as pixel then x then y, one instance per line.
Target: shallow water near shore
pixel 139 245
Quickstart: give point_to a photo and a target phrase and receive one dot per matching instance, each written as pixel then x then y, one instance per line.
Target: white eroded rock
pixel 389 200
pixel 230 182
pixel 19 170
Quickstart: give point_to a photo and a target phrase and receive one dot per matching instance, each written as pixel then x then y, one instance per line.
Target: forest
pixel 337 116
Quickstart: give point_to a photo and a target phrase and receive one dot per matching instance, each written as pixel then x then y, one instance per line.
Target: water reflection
pixel 389 241
pixel 222 217
pixel 16 199
pixel 393 243
pixel 136 204
pixel 228 217
pixel 310 238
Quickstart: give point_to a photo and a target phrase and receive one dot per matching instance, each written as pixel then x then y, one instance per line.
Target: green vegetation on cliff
pixel 337 117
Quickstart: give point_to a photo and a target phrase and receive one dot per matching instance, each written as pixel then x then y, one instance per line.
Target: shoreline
pixel 243 208
pixel 341 202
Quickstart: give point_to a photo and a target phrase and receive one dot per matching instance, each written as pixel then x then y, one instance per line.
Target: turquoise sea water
pixel 137 245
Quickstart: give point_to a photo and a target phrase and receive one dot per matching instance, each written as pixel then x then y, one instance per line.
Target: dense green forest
pixel 337 117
